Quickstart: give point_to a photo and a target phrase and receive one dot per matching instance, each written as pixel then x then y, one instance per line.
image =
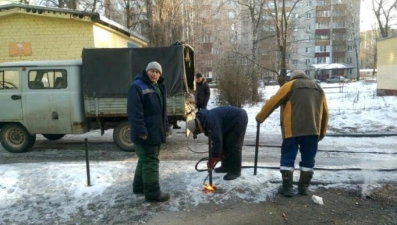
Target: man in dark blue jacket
pixel 227 125
pixel 147 115
pixel 202 92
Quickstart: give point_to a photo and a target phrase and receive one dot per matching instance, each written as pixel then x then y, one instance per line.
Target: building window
pixel 206 39
pixel 309 3
pixel 244 61
pixel 321 60
pixel 307 49
pixel 295 61
pixel 349 60
pixel 308 15
pixel 349 48
pixel 307 61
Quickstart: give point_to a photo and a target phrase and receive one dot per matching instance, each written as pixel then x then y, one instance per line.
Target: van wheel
pixel 54 137
pixel 16 139
pixel 121 136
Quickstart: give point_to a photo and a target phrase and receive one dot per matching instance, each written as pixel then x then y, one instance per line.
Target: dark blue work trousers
pixel 307 145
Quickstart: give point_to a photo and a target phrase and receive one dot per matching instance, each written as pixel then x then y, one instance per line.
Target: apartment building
pixel 327 32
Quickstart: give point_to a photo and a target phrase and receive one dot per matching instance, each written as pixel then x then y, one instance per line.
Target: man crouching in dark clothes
pixel 227 125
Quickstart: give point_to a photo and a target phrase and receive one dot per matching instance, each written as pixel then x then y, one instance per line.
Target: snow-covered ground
pixel 57 192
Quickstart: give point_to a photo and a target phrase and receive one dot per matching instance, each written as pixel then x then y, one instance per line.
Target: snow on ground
pixel 57 192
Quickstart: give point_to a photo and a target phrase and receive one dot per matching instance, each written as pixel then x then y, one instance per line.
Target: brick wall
pixel 54 36
pixel 49 38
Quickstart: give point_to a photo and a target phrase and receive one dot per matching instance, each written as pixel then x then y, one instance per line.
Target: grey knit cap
pixel 154 66
pixel 297 73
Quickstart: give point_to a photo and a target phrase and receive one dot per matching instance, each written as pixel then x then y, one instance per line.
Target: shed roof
pixel 331 66
pixel 76 14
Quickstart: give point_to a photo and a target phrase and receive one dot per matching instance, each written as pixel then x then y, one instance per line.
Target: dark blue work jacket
pixel 222 121
pixel 146 115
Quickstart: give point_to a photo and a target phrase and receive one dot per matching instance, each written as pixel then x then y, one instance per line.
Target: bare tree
pixel 281 20
pixel 255 16
pixel 350 12
pixel 164 22
pixel 384 10
pixel 233 81
pixel 68 4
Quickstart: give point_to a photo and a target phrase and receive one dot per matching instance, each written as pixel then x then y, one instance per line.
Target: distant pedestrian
pixel 304 122
pixel 228 125
pixel 203 92
pixel 147 115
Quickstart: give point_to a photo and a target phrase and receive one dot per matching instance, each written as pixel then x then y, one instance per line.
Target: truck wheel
pixel 121 136
pixel 54 137
pixel 16 139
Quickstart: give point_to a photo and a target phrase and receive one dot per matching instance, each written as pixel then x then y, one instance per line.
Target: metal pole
pixel 256 147
pixel 210 158
pixel 87 162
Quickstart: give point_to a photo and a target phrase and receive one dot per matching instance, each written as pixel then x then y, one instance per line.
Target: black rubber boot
pixel 286 188
pixel 231 176
pixel 225 165
pixel 235 166
pixel 221 170
pixel 304 181
pixel 137 185
pixel 153 193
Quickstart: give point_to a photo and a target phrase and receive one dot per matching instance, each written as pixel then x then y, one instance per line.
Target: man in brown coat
pixel 304 121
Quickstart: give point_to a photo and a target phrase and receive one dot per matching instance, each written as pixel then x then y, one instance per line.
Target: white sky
pixel 367 17
pixel 42 192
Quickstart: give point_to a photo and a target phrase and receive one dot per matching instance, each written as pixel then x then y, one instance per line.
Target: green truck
pixel 58 97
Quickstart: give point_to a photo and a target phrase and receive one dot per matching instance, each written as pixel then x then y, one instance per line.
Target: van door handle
pixel 15 97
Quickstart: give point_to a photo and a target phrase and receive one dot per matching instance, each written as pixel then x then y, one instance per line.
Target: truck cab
pixel 39 97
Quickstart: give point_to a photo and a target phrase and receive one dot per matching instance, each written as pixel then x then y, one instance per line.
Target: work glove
pixel 256 118
pixel 143 137
pixel 211 165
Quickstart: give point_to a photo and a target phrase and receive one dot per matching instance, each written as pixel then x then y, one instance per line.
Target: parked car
pixel 212 84
pixel 337 80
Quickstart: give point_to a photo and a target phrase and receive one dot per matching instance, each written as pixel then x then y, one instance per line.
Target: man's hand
pixel 256 118
pixel 211 165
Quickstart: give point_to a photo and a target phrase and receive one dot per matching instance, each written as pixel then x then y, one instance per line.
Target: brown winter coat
pixel 304 109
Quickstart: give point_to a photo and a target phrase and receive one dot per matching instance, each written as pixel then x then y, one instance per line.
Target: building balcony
pixel 322 31
pixel 321 54
pixel 339 30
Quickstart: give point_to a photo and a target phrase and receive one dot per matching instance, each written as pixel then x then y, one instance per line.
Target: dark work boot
pixel 221 170
pixel 137 185
pixel 235 166
pixel 304 181
pixel 231 176
pixel 153 193
pixel 225 165
pixel 286 188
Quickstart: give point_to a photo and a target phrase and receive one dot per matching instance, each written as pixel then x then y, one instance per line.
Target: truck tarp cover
pixel 108 72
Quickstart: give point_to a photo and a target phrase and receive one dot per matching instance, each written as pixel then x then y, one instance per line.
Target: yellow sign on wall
pixel 20 49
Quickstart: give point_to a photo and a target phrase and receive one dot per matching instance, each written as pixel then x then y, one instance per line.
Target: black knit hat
pixel 199 75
